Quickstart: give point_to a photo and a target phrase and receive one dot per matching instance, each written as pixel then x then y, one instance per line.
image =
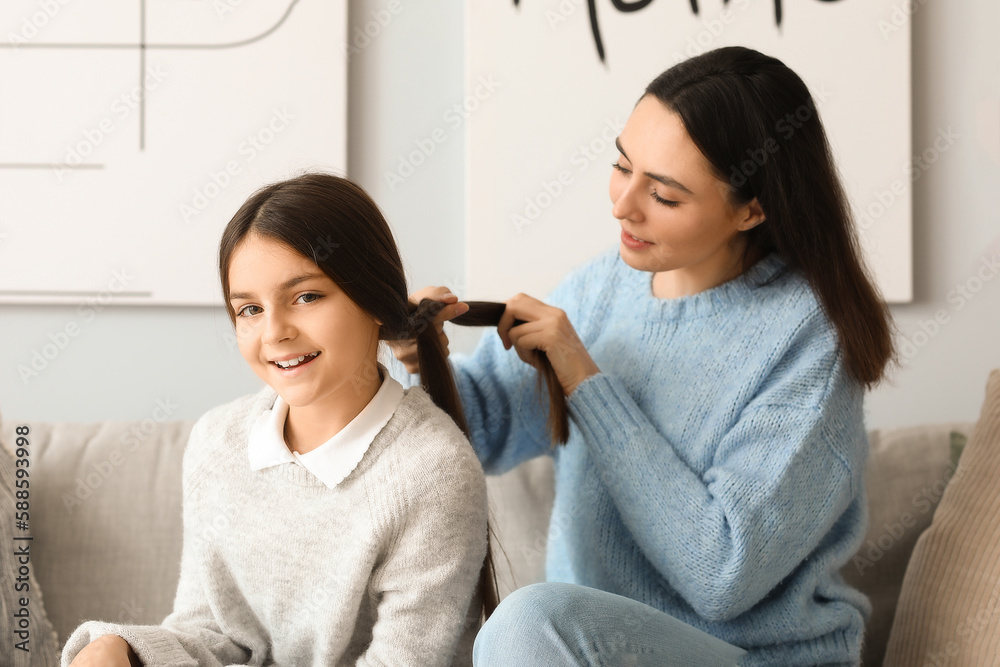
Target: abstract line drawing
pixel 142 46
pixel 626 7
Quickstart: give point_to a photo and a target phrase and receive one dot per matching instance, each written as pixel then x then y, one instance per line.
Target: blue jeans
pixel 565 624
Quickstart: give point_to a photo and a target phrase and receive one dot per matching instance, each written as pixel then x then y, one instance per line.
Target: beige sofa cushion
pixel 949 606
pixel 110 494
pixel 28 638
pixel 907 472
pixel 520 507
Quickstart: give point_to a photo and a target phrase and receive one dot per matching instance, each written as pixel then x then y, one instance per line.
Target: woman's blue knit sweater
pixel 715 468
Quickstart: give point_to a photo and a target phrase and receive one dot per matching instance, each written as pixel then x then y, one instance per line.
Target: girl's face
pixel 675 214
pixel 286 309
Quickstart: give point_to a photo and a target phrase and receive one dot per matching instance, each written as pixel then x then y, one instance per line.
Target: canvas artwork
pixel 132 130
pixel 550 84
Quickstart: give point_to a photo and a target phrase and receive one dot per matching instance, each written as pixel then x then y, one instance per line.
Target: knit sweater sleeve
pixel 781 477
pixel 505 407
pixel 433 509
pixel 190 635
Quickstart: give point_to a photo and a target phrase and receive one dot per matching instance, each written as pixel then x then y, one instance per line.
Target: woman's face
pixel 287 308
pixel 674 213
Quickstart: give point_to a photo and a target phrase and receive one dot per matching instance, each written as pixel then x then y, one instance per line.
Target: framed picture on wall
pixel 131 131
pixel 550 84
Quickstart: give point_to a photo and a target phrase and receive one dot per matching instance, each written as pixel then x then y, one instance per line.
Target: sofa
pixel 105 518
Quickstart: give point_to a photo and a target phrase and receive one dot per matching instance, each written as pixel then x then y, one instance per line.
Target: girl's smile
pixel 293 361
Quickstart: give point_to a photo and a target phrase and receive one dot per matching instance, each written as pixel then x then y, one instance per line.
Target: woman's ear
pixel 750 215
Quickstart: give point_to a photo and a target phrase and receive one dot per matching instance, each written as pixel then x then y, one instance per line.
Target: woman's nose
pixel 626 204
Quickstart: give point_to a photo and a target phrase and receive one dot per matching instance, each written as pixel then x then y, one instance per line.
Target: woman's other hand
pixel 406 350
pixel 547 329
pixel 106 651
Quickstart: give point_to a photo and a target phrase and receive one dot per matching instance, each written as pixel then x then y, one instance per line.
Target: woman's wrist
pixel 587 369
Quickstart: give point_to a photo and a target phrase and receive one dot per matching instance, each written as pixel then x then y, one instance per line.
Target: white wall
pixel 130 362
pixel 956 224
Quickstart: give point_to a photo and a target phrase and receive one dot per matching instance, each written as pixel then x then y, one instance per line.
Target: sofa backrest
pixel 106 519
pixel 106 504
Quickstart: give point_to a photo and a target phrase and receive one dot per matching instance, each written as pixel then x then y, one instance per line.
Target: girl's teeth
pixel 294 362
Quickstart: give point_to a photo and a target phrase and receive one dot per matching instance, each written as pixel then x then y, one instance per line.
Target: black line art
pixel 625 7
pixel 142 46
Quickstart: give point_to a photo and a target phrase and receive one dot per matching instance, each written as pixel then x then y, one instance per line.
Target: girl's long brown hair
pixel 333 222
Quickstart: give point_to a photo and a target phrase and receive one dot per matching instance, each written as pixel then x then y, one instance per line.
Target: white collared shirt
pixel 334 460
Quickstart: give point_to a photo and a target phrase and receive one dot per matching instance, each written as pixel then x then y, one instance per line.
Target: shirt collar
pixel 336 458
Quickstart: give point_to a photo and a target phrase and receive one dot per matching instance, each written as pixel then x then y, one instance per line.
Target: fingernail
pixel 447 295
pixel 463 308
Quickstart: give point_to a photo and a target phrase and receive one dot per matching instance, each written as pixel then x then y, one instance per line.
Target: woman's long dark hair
pixel 336 224
pixel 757 125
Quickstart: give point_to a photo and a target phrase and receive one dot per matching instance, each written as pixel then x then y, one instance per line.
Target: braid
pixel 439 383
pixel 488 313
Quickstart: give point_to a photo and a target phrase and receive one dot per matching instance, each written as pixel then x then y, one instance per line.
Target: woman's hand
pixel 406 350
pixel 546 328
pixel 106 651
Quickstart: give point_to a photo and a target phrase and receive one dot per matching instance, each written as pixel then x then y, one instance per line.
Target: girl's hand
pixel 546 328
pixel 406 350
pixel 106 651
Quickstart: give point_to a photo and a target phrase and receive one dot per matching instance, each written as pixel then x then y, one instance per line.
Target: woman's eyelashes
pixel 619 167
pixel 657 198
pixel 660 200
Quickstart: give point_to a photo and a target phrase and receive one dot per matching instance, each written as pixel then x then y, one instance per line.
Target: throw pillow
pixel 28 637
pixel 949 606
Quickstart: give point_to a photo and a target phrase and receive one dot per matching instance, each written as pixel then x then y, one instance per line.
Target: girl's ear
pixel 751 215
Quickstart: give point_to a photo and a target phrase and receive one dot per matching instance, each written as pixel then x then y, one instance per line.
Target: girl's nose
pixel 276 329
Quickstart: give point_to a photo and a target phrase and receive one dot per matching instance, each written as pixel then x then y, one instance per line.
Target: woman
pixel 714 367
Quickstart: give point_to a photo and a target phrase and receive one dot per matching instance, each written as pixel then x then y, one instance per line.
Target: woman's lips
pixel 634 243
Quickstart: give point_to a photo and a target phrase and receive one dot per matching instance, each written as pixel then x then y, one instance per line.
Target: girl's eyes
pixel 657 198
pixel 243 312
pixel 318 296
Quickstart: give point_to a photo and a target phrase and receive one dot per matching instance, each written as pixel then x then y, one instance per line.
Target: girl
pixel 714 366
pixel 332 518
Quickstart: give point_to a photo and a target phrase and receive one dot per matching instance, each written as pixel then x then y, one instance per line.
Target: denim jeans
pixel 566 624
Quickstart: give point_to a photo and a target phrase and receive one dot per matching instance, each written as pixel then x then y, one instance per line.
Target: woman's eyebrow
pixel 287 285
pixel 669 181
